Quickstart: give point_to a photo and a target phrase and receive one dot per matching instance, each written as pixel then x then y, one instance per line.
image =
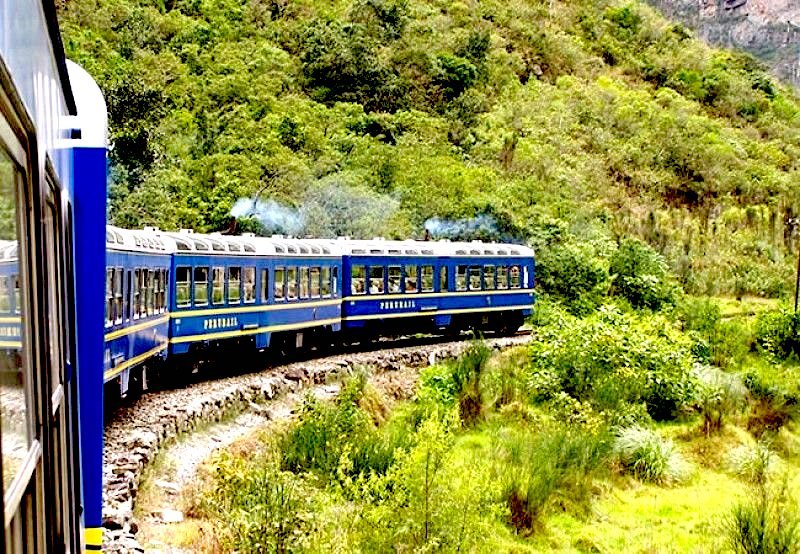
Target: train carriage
pixel 396 287
pixel 260 292
pixel 138 265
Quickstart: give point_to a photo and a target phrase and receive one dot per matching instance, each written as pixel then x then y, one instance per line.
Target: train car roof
pixel 145 241
pixel 187 241
pixel 8 250
pixel 437 248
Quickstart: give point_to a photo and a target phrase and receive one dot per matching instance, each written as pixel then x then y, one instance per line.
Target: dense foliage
pixel 551 120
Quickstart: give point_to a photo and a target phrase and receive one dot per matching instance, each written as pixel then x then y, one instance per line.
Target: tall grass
pixel 649 457
pixel 767 524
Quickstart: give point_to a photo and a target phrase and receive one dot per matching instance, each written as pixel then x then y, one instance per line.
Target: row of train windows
pixel 412 278
pixel 7 300
pixel 145 293
pixel 238 284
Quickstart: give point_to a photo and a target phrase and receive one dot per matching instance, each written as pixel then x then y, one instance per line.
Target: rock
pixel 169 515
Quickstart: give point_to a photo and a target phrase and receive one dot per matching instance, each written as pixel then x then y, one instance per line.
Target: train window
pixel 183 294
pixel 201 286
pixel 358 276
pixel 291 283
pixel 145 296
pixel 326 282
pixel 135 302
pixel 118 295
pixel 314 282
pixel 335 281
pixel 488 277
pixel 303 282
pixel 162 291
pixel 151 291
pixel 17 296
pixel 412 279
pixel 514 276
pixel 218 285
pixel 264 286
pixel 376 279
pixel 526 282
pixel 427 278
pixel 443 279
pixel 109 296
pixel 461 277
pixel 474 277
pixel 249 285
pixel 502 277
pixel 234 285
pixel 128 293
pixel 395 278
pixel 280 283
pixel 5 296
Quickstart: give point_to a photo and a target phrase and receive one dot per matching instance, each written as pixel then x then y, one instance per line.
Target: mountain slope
pixel 548 119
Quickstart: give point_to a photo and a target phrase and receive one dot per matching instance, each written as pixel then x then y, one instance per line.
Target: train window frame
pixel 198 303
pixel 325 281
pixel 150 283
pixel 489 282
pixel 234 300
pixel 135 294
pixel 178 284
pixel 118 295
pixel 462 277
pixel 443 285
pixel 5 295
pixel 512 277
pixel 314 275
pixel 145 297
pixel 358 276
pixel 394 279
pixel 377 278
pixel 408 271
pixel 279 284
pixel 264 285
pixel 427 276
pixel 249 285
pixel 218 285
pixel 109 295
pixel 335 282
pixel 291 283
pixel 128 296
pixel 475 278
pixel 304 288
pixel 502 277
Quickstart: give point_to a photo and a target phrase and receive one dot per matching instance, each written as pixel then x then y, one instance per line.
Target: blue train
pixel 87 309
pixel 184 296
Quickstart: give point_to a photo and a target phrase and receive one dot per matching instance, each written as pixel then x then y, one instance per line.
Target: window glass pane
pixel 182 283
pixel 109 296
pixel 264 285
pixel 143 297
pixel 135 281
pixel 502 277
pixel 412 279
pixel 201 286
pixel 514 276
pixel 488 277
pixel 376 280
pixel 335 281
pixel 218 285
pixel 291 283
pixel 475 277
pixel 442 279
pixel 280 284
pixel 326 282
pixel 13 364
pixel 427 278
pixel 249 285
pixel 5 295
pixel 357 279
pixel 314 282
pixel 151 290
pixel 395 278
pixel 461 277
pixel 234 285
pixel 303 282
pixel 118 295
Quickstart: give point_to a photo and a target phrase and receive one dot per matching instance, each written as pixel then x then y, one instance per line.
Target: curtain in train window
pixel 249 285
pixel 16 436
pixel 315 282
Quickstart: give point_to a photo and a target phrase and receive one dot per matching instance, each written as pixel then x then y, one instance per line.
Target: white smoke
pixel 483 227
pixel 273 217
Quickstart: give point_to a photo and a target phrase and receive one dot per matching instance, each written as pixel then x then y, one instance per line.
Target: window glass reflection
pixel 13 409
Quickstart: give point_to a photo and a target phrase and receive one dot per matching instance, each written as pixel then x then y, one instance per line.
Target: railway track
pixel 137 431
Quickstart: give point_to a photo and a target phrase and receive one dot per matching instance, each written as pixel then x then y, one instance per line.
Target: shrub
pixel 752 463
pixel 574 274
pixel 641 275
pixel 556 465
pixel 772 406
pixel 777 333
pixel 767 524
pixel 719 395
pixel 649 457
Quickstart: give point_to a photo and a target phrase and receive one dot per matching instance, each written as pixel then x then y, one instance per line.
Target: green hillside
pixel 562 123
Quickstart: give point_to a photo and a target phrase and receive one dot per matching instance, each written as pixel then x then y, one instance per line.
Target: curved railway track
pixel 136 432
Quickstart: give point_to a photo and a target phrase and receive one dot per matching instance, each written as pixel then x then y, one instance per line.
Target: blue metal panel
pixel 90 258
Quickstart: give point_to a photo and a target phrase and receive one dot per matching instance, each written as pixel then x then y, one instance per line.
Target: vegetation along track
pixel 136 433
